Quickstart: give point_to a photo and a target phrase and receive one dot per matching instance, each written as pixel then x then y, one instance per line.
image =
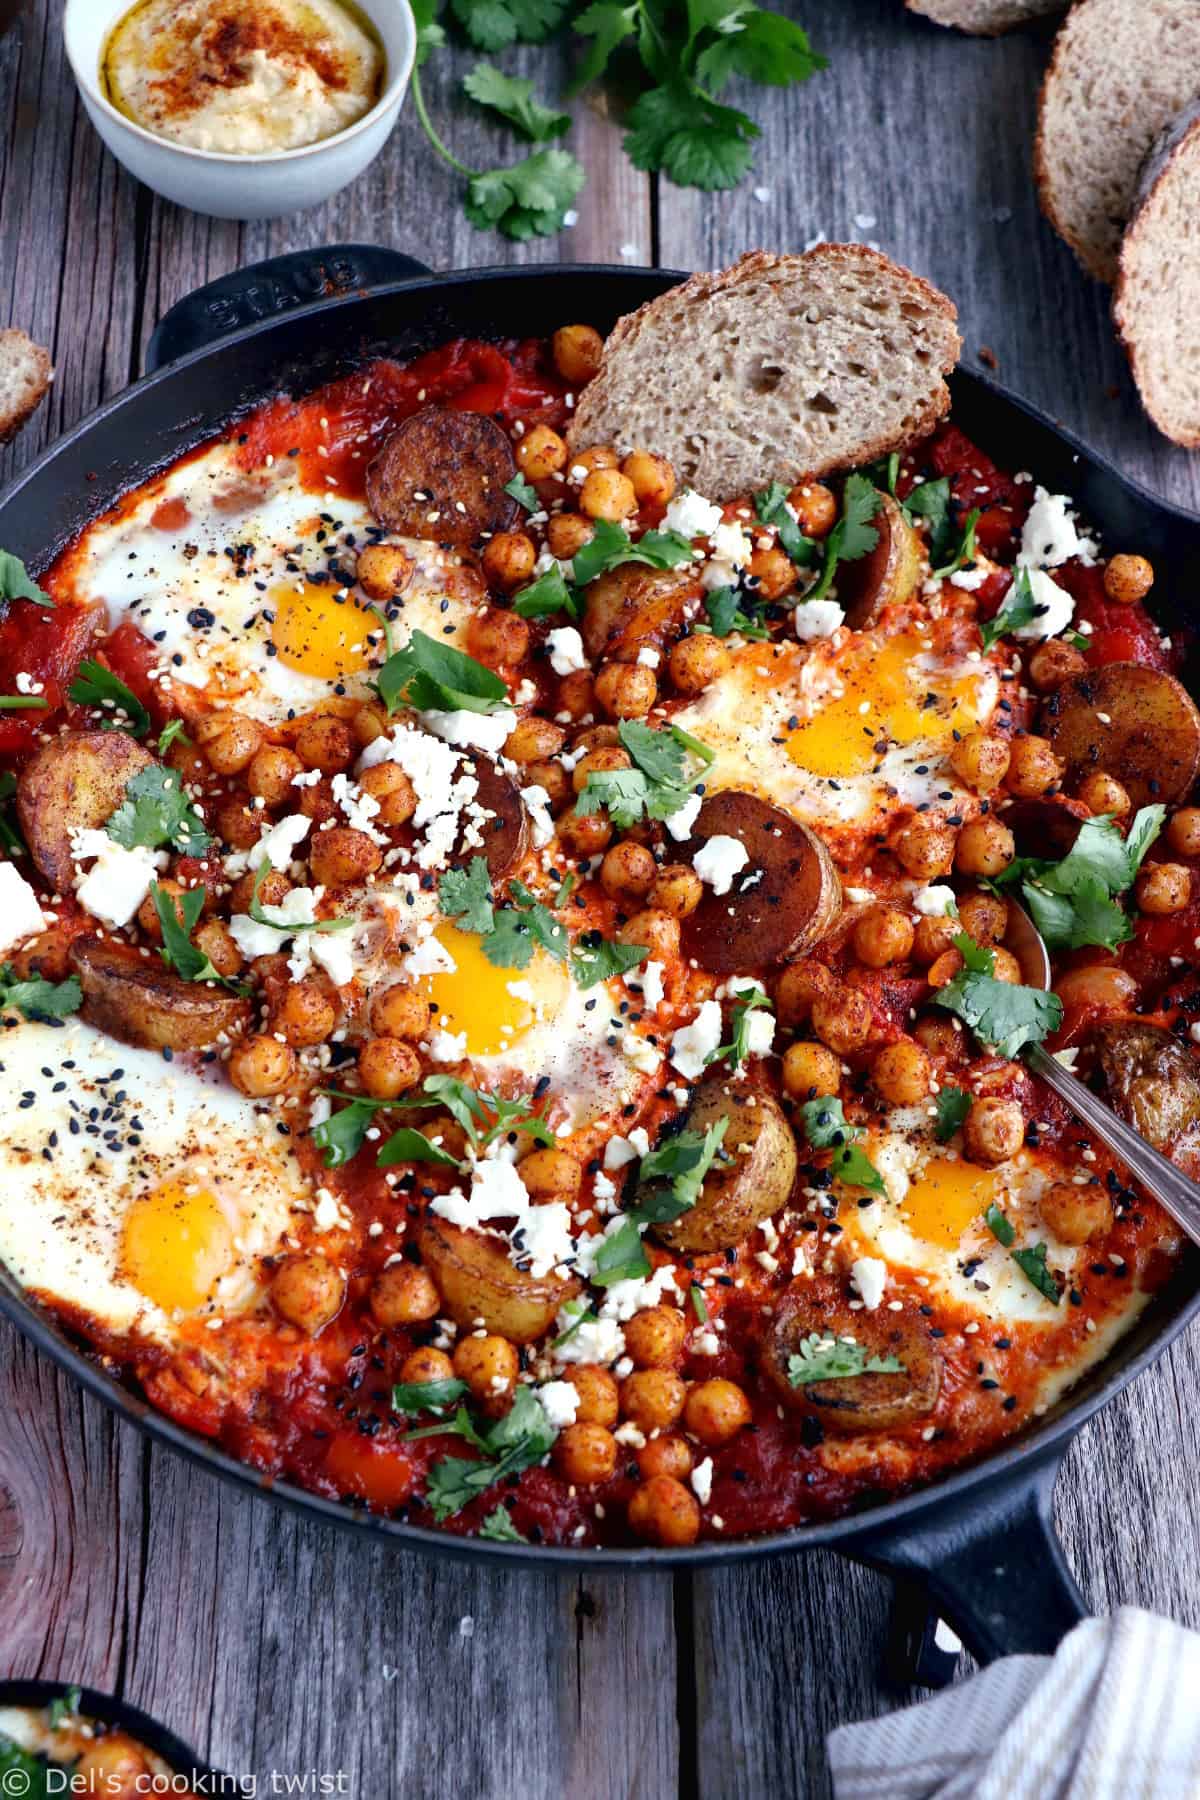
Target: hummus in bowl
pixel 243 77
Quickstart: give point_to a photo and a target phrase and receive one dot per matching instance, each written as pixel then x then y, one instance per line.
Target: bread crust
pixel 1174 143
pixel 703 287
pixel 1004 15
pixel 36 381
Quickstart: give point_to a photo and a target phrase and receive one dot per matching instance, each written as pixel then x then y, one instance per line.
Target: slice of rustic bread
pixel 1157 302
pixel 985 18
pixel 25 375
pixel 1121 71
pixel 778 367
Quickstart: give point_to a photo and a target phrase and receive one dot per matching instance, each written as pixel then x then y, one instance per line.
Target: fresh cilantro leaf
pixel 530 199
pixel 691 139
pixel 579 1313
pixel 833 1359
pixel 430 35
pixel 498 1528
pixel 952 1108
pixel 523 493
pixel 725 614
pixel 343 1134
pixel 16 583
pixel 660 755
pixel 1073 901
pixel 21 1773
pixel 178 916
pixel 466 896
pixel 64 1706
pixel 1032 1264
pixel 10 837
pixel 759 45
pixel 172 733
pixel 515 1442
pixel 258 912
pixel 930 501
pixel 1003 1016
pixel 495 24
pixel 23 703
pixel 610 545
pixel 1019 609
pixel 658 784
pixel 963 551
pixel 699 1303
pixel 513 99
pixel 408 1146
pixel 682 1161
pixel 1000 1225
pixel 595 958
pixel 853 536
pixel 429 674
pixel 608 25
pixel 472 1110
pixel 37 998
pixel 772 508
pixel 157 811
pixel 98 687
pixel 518 930
pixel 550 593
pixel 621 1257
pixel 737 1050
pixel 827 1128
pixel 427 1396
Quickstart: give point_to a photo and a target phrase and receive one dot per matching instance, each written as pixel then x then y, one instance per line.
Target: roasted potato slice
pixel 139 1000
pixel 75 783
pixel 503 832
pixel 1137 724
pixel 1152 1081
pixel 477 1281
pixel 634 608
pixel 794 904
pixel 888 576
pixel 876 1402
pixel 752 1177
pixel 442 475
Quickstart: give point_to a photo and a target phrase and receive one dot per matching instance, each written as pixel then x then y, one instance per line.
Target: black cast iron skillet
pixel 980 1545
pixel 106 1709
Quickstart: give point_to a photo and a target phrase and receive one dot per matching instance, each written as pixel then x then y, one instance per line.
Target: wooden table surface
pixel 272 1644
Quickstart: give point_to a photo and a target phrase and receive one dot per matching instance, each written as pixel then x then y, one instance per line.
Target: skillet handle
pixel 994 1570
pixel 267 289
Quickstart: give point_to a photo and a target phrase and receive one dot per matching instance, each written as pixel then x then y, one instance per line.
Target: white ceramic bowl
pixel 240 187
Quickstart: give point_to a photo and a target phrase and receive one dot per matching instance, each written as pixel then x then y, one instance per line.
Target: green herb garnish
pixel 16 583
pixel 828 1128
pixel 1073 901
pixel 853 536
pixel 832 1359
pixel 156 811
pixel 681 1162
pixel 37 998
pixel 952 1108
pixel 431 675
pixel 1032 1264
pixel 1000 1225
pixel 1002 1015
pixel 106 693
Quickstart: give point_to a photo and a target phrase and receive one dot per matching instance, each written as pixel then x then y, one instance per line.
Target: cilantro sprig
pixel 16 583
pixel 671 1176
pixel 772 508
pixel 726 613
pixel 178 916
pixel 37 998
pixel 551 593
pixel 833 1359
pixel 1073 902
pixel 853 536
pixel 521 1438
pixel 258 912
pixel 511 934
pixel 951 547
pixel 1019 609
pixel 431 675
pixel 498 1528
pixel 1002 1015
pixel 746 1002
pixel 484 1117
pixel 952 1105
pixel 1032 1264
pixel 118 706
pixel 667 765
pixel 827 1128
pixel 156 811
pixel 610 546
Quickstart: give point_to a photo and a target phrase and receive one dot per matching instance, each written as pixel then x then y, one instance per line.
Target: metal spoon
pixel 1169 1185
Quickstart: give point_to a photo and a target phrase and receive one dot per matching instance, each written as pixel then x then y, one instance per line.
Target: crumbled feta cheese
pixel 933 902
pixel 970 579
pixel 118 880
pixel 360 808
pixel 760 1031
pixel 622 1299
pixel 448 1046
pixel 702 1479
pixel 691 515
pixel 20 914
pixel 730 544
pixel 640 1053
pixel 617 1152
pixel 1051 536
pixel 429 958
pixel 817 619
pixel 869 1275
pixel 334 952
pixel 472 730
pixel 541 820
pixel 560 1403
pixel 325 1213
pixel 648 657
pixel 1055 607
pixel 706 1343
pixel 566 650
pixel 693 1044
pixel 445 785
pixel 718 860
pixel 277 846
pixel 680 823
pixel 595 1341
pixel 652 984
pixel 543 1234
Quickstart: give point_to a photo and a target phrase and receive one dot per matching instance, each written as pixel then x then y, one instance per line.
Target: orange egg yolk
pixel 885 695
pixel 177 1245
pixel 316 633
pixel 494 1007
pixel 945 1198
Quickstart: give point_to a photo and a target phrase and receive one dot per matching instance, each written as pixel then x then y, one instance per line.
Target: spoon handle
pixel 1169 1185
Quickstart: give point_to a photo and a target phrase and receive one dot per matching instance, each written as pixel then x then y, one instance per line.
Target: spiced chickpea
pixel 305 1015
pixel 665 1512
pixel 810 1071
pixel 273 891
pixel 1033 768
pixel 940 1035
pixel 384 571
pixel 599 1398
pixel 532 739
pixel 815 507
pixel 400 1012
pixel 901 1073
pixel 541 453
pixel 994 1130
pixel 388 1067
pixel 228 741
pixel 980 760
pixel 697 661
pixel 1183 831
pixel 584 834
pixel 342 855
pixel 600 456
pixel 508 559
pixel 489 1365
pixel 327 743
pixel 240 826
pixel 551 1174
pixel 260 1066
pixel 308 1291
pixel 567 533
pixel 595 762
pixel 577 350
pixel 404 1294
pixel 798 986
pixel 147 913
pixel 426 1364
pixel 985 847
pixel 585 1454
pixel 607 494
pixel 655 930
pixel 1163 888
pixel 577 695
pixel 676 889
pixel 1128 579
pixel 214 938
pixel 1054 662
pixel 626 690
pixel 652 476
pixel 627 872
pixel 270 774
pixel 665 1455
pixel 1005 966
pixel 1076 1214
pixel 882 935
pixel 924 849
pixel 1102 793
pixel 933 936
pixel 654 1337
pixel 390 786
pixel 843 1019
pixel 499 639
pixel 652 1398
pixel 317 803
pixel 369 722
pixel 774 571
pixel 983 917
pixel 716 1411
pixel 944 968
pixel 554 781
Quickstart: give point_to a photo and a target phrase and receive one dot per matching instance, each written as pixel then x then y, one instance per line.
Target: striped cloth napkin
pixel 1114 1715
